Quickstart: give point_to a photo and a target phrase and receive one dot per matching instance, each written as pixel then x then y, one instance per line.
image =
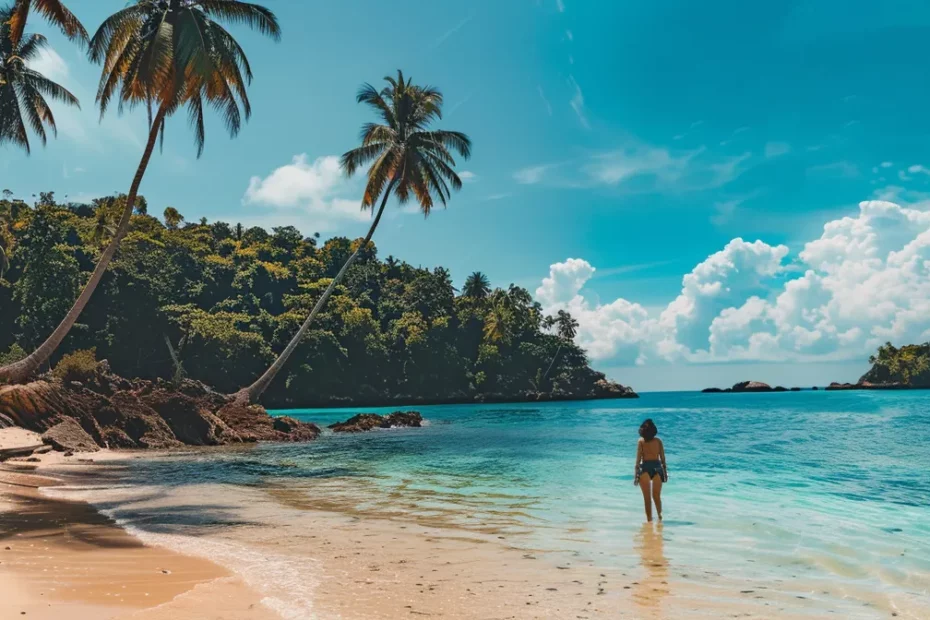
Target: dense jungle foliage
pixel 223 299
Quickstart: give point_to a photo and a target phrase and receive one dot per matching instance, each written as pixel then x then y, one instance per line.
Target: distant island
pixel 893 368
pixel 905 368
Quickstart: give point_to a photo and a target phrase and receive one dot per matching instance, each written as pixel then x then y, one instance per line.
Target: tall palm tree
pixel 53 10
pixel 477 286
pixel 407 158
pixel 23 90
pixel 164 55
pixel 567 329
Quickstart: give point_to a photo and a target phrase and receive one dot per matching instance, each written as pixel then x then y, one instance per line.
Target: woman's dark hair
pixel 648 430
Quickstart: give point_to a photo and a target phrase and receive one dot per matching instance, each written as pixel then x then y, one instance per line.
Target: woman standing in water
pixel 650 467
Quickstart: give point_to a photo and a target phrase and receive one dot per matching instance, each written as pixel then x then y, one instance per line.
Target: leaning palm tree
pixel 164 55
pixel 567 329
pixel 53 10
pixel 477 286
pixel 407 158
pixel 23 90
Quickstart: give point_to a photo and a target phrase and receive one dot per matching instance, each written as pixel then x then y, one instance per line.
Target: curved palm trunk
pixel 552 363
pixel 20 371
pixel 252 393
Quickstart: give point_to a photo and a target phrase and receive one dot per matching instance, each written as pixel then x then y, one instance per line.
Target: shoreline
pixel 285 551
pixel 274 405
pixel 63 558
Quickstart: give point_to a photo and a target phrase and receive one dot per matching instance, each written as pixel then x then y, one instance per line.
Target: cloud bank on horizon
pixel 864 281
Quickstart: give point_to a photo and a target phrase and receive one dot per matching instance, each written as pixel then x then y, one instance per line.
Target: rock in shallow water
pixel 369 421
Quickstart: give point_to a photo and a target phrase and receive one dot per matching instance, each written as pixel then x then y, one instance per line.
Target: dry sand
pixel 62 559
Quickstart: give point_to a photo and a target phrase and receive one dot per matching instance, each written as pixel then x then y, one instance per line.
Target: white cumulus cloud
pixel 318 188
pixel 864 281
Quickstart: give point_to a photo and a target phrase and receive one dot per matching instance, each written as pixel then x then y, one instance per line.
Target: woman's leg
pixel 644 485
pixel 657 494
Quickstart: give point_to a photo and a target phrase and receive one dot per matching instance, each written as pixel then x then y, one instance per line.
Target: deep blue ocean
pixel 828 488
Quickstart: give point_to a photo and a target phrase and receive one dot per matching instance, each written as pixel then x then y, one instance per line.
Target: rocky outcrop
pixel 868 385
pixel 116 413
pixel 68 436
pixel 191 422
pixel 127 422
pixel 289 429
pixel 252 423
pixel 745 386
pixel 751 386
pixel 364 422
pixel 604 388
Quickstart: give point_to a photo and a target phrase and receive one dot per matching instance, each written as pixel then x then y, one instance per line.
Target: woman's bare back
pixel 651 450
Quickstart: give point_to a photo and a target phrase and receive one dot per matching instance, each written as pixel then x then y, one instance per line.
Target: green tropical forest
pixel 226 298
pixel 234 307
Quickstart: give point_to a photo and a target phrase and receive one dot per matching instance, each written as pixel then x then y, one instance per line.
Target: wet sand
pixel 232 552
pixel 63 559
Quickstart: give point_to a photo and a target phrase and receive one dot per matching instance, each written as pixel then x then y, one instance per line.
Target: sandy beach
pixel 217 551
pixel 63 559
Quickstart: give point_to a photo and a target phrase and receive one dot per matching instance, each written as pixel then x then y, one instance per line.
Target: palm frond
pixel 455 140
pixel 12 126
pixel 36 110
pixel 358 157
pixel 252 15
pixel 54 11
pixel 32 44
pixel 369 96
pixel 48 87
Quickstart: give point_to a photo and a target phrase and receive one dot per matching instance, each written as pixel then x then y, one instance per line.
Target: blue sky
pixel 639 138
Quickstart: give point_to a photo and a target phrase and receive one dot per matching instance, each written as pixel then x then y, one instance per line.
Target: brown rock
pixel 191 423
pixel 68 436
pixel 127 422
pixel 604 388
pixel 252 422
pixel 295 430
pixel 405 419
pixel 364 422
pixel 360 423
pixel 752 386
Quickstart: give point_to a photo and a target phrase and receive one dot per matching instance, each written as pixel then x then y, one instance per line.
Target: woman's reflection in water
pixel 652 588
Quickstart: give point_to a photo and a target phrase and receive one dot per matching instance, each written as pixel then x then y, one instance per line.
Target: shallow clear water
pixel 830 490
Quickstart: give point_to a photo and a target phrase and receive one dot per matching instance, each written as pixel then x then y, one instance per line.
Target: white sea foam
pixel 286 583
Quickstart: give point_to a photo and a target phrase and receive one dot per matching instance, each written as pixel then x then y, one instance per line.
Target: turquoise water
pixel 822 491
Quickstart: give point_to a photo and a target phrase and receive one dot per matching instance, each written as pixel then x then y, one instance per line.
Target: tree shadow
pixel 36 517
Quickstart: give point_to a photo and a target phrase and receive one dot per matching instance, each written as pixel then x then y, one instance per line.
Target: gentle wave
pixel 286 583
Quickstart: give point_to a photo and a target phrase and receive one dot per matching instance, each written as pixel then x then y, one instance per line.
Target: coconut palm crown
pixel 166 54
pixel 24 92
